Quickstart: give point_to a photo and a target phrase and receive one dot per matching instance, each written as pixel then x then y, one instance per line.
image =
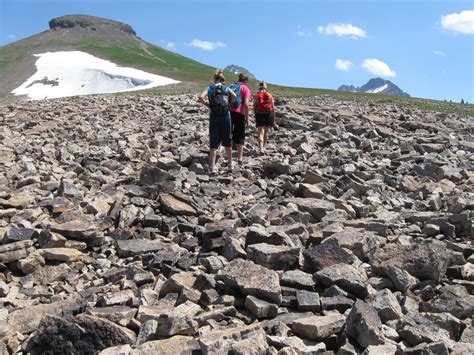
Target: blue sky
pixel 425 47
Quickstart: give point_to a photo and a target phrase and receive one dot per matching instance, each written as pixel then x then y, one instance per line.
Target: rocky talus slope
pixel 352 233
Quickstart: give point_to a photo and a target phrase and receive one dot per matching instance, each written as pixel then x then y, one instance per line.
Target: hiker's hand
pixel 275 127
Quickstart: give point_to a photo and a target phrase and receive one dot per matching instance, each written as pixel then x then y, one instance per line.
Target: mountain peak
pixel 376 86
pixel 233 68
pixel 89 22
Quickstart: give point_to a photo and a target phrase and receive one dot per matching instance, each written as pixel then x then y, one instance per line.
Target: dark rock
pixel 326 254
pixel 251 279
pixel 276 257
pixel 81 334
pixel 364 325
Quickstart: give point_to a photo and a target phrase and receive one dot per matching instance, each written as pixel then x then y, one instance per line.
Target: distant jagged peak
pixel 236 69
pixel 92 22
pixel 376 86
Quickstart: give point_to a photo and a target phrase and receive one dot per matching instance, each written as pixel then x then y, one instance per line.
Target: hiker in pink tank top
pixel 239 111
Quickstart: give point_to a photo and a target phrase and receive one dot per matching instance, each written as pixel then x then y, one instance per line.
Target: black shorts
pixel 264 119
pixel 238 127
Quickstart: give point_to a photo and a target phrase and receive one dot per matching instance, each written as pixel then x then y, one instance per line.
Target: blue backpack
pixel 235 87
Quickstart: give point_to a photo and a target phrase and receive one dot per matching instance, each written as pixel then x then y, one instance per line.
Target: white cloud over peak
pixel 206 45
pixel 344 65
pixel 439 53
pixel 342 29
pixel 461 22
pixel 11 37
pixel 377 67
pixel 171 46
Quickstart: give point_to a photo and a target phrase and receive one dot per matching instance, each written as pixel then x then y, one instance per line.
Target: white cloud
pixel 171 46
pixel 342 29
pixel 377 67
pixel 302 33
pixel 206 45
pixel 11 37
pixel 462 22
pixel 344 65
pixel 439 53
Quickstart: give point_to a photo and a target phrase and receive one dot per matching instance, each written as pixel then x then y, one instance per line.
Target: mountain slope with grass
pixel 106 39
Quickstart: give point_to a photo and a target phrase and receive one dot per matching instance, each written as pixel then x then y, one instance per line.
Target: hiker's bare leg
pixel 265 135
pixel 228 153
pixel 260 137
pixel 240 151
pixel 212 157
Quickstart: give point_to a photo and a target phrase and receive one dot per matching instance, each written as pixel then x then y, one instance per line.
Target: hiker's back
pixel 218 99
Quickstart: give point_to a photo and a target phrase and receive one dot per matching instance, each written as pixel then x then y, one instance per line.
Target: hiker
pixel 239 112
pixel 264 107
pixel 219 119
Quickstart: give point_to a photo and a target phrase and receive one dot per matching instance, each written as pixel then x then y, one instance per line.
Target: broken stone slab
pixel 386 305
pixel 261 308
pixel 454 299
pixel 116 298
pixel 26 320
pixel 176 206
pixel 80 334
pixel 424 260
pixel 117 314
pixel 319 327
pixel 308 301
pixel 298 279
pixel 325 254
pixel 217 314
pixel 345 276
pixel 259 234
pixel 402 280
pixel 251 279
pixel 76 229
pixel 364 325
pixel 17 234
pixel 132 247
pixel 385 349
pixel 362 244
pixel 217 229
pixel 275 257
pixel 153 175
pixel 316 207
pixel 418 329
pixel 221 341
pixel 62 254
pixel 339 303
pixel 15 251
pixel 178 344
pixel 295 344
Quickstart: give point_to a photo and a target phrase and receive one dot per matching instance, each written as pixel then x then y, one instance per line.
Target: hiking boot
pixel 212 170
pixel 242 162
pixel 229 166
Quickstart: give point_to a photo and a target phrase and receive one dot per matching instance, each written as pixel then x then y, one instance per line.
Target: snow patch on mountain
pixel 379 89
pixel 61 74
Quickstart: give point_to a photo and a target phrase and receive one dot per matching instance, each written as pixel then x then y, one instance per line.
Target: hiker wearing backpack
pixel 239 111
pixel 264 107
pixel 220 130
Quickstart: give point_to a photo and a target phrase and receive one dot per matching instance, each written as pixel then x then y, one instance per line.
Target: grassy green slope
pixel 194 75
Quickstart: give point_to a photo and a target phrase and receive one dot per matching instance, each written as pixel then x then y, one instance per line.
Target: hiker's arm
pixel 246 110
pixel 202 97
pixel 232 95
pixel 274 125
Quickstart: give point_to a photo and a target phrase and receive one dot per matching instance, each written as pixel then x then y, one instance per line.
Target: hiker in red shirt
pixel 264 107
